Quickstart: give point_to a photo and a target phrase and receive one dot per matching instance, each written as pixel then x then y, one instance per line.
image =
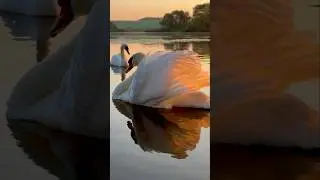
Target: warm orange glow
pixel 133 10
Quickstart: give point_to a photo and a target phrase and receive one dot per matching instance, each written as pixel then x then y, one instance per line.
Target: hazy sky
pixel 136 9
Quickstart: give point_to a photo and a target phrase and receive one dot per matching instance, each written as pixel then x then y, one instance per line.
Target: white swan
pixel 165 80
pixel 120 59
pixel 67 90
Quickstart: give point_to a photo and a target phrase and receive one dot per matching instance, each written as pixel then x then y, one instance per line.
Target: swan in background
pixel 67 89
pixel 120 59
pixel 165 79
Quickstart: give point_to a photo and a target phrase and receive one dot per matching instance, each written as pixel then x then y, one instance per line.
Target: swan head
pixel 135 60
pixel 125 47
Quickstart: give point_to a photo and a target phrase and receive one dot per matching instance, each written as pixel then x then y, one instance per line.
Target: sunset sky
pixel 136 9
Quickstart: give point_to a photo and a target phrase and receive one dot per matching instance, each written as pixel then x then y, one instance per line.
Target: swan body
pixel 120 59
pixel 164 80
pixel 66 90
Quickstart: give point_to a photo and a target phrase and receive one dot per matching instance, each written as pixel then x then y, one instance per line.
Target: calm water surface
pixel 158 145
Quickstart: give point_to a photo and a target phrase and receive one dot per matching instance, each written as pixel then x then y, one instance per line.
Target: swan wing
pixel 163 76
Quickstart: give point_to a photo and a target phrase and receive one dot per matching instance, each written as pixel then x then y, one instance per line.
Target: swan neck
pixel 122 53
pixel 86 76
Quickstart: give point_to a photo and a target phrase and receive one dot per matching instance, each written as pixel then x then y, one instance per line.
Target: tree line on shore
pixel 181 21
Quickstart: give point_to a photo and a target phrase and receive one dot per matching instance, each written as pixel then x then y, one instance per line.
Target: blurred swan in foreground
pixel 67 90
pixel 174 131
pixel 164 80
pixel 120 59
pixel 265 91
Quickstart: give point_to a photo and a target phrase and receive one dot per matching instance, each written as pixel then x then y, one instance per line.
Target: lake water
pixel 180 148
pixel 33 151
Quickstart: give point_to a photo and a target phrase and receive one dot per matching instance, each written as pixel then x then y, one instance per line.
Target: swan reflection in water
pixel 65 155
pixel 119 70
pixel 173 131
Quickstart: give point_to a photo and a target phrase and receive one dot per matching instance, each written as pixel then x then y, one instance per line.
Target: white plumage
pixel 164 80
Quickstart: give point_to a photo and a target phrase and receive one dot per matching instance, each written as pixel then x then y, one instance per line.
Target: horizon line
pixel 133 19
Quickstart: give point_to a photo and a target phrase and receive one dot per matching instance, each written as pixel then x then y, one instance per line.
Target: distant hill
pixel 147 23
pixel 114 28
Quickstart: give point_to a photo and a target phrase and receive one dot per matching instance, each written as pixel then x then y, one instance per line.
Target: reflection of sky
pixel 133 10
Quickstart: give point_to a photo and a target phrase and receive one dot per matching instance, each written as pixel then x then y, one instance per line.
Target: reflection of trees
pixel 202 48
pixel 176 46
pixel 30 28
